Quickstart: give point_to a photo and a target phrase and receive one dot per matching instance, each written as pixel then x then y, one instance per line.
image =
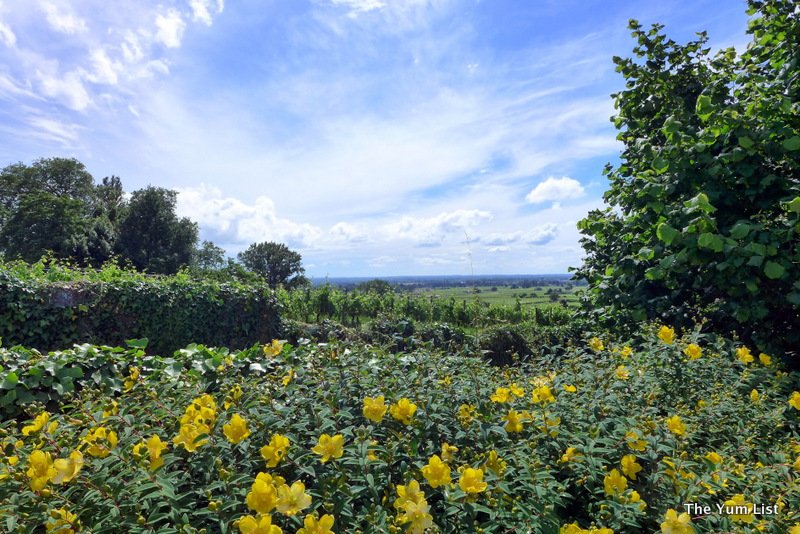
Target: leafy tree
pixel 152 236
pixel 381 287
pixel 704 209
pixel 209 256
pixel 276 263
pixel 45 222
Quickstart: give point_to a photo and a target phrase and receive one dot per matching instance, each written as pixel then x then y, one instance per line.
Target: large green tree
pixel 151 236
pixel 704 216
pixel 276 263
pixel 52 206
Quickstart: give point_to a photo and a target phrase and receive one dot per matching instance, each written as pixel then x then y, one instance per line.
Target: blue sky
pixel 376 137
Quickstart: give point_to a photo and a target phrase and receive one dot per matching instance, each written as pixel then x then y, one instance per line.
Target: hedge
pixel 50 306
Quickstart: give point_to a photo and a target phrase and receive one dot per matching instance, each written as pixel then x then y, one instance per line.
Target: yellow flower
pixel 67 468
pixel 622 373
pixel 542 395
pixel 569 388
pixel 274 452
pixel 667 335
pixel 515 420
pixel 437 473
pixel 693 351
pixel 614 483
pixel 743 355
pixel 765 359
pixel 63 523
pixel 636 498
pixel 501 395
pixel 329 447
pixel 796 464
pixel 495 463
pixel 634 442
pixel 516 390
pixel 418 517
pixel 676 426
pixel 133 377
pixel 472 481
pixel 629 466
pixel 626 352
pixel 233 397
pixel 677 524
pixel 596 344
pixel 261 525
pixel 738 509
pixel 372 455
pixel 754 396
pixel 570 455
pixel 40 469
pixel 155 447
pixel 100 442
pixel 448 452
pixel 287 378
pixel 374 408
pixel 466 414
pixel 794 400
pixel 403 410
pixel 237 429
pixel 37 425
pixel 263 495
pixel 274 348
pixel 713 457
pixel 111 409
pixel 293 499
pixel 189 436
pixel 410 493
pixel 312 526
pixel 795 529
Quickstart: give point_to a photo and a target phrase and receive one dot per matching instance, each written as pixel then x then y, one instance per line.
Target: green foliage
pixel 579 418
pixel 53 206
pixel 152 236
pixel 279 265
pixel 701 226
pixel 49 306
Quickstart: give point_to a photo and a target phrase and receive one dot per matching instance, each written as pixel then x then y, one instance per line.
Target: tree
pixel 152 236
pixel 704 209
pixel 45 222
pixel 51 205
pixel 209 257
pixel 276 263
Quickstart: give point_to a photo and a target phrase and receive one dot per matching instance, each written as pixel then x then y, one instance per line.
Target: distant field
pixel 506 295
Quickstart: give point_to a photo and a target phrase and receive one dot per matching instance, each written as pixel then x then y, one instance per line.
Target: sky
pixel 375 137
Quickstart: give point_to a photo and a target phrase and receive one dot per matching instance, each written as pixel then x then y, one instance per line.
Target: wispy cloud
pixel 62 20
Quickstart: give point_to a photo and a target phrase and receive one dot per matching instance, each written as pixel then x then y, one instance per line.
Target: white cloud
pixel 500 239
pixel 235 224
pixel 201 10
pixel 541 235
pixel 169 28
pixel 7 36
pixel 68 88
pixel 359 6
pixel 104 69
pixel 555 189
pixel 433 230
pixel 343 232
pixel 50 130
pixel 62 20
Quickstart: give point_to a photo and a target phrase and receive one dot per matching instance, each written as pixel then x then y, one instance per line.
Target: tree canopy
pixel 704 206
pixel 276 263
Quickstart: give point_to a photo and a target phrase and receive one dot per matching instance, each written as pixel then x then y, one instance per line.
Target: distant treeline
pixel 410 283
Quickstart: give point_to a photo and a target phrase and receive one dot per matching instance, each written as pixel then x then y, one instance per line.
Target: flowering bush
pixel 323 438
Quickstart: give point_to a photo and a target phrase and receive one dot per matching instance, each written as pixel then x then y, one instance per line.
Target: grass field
pixel 507 295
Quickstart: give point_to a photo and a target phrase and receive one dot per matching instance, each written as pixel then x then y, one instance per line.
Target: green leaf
pixel 794 205
pixel 660 165
pixel 700 201
pixel 711 241
pixel 10 381
pixel 704 109
pixel 666 233
pixel 745 142
pixel 137 343
pixel 740 230
pixel 793 143
pixel 756 261
pixel 774 270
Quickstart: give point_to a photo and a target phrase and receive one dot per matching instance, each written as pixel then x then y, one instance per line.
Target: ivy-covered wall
pixel 53 307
